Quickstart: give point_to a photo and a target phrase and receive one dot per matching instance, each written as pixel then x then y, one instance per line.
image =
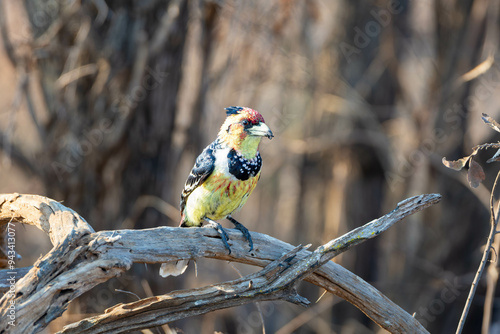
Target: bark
pixel 82 259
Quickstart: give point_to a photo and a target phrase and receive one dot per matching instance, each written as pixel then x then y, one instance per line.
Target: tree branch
pixel 494 217
pixel 274 282
pixel 85 259
pixel 50 216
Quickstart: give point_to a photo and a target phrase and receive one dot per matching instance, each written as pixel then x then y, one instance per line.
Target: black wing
pixel 203 167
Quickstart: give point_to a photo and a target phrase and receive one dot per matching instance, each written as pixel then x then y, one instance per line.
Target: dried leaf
pixel 494 158
pixel 491 122
pixel 475 174
pixel 456 164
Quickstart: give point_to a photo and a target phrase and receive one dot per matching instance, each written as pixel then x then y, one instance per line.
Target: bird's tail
pixel 183 221
pixel 173 268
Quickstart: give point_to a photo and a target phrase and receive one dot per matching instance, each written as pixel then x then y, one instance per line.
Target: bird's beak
pixel 261 130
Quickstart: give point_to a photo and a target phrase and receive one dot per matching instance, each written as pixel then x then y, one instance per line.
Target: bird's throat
pixel 243 143
pixel 248 146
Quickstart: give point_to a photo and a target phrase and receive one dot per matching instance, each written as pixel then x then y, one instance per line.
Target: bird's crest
pixel 253 115
pixel 233 110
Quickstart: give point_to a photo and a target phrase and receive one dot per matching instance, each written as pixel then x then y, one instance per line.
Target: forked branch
pixel 84 259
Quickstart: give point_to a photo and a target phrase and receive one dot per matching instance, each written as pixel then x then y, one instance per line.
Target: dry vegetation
pixel 105 105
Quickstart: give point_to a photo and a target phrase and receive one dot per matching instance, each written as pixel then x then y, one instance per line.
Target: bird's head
pixel 243 130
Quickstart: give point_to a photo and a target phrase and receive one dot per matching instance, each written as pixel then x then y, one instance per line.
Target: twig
pixel 149 201
pixel 484 260
pixel 480 69
pixel 128 103
pixel 165 30
pixel 31 107
pixel 310 314
pixel 491 283
pixel 75 74
pixel 102 11
pixel 492 272
pixel 128 292
pixel 16 154
pixel 7 43
pixel 16 103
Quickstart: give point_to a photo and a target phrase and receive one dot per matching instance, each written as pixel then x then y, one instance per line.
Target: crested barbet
pixel 223 177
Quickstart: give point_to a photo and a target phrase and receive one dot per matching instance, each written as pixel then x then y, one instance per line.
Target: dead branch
pixel 50 216
pixel 276 281
pixel 84 259
pixel 494 218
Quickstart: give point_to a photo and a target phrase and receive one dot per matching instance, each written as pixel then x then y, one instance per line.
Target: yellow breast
pixel 218 197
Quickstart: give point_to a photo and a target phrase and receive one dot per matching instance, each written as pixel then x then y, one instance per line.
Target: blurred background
pixel 105 105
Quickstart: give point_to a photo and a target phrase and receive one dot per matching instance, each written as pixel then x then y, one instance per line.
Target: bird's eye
pixel 245 122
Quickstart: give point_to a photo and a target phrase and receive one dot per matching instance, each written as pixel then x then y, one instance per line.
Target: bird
pixel 223 176
pixel 225 173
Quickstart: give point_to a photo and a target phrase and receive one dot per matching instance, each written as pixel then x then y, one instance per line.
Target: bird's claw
pixel 243 230
pixel 220 230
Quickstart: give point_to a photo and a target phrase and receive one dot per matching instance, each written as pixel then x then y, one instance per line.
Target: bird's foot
pixel 213 224
pixel 243 230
